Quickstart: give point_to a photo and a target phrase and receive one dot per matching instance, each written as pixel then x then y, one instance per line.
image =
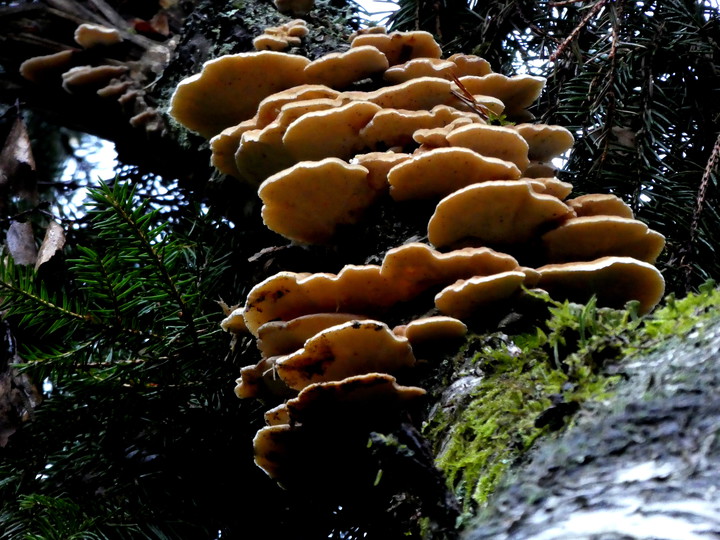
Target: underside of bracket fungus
pixel 324 141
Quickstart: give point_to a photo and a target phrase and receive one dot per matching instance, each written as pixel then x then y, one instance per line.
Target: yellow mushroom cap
pixel 378 165
pixel 494 213
pixel 333 132
pixel 268 42
pixel 517 92
pixel 395 127
pixel 81 76
pixel 234 322
pixel 553 186
pixel 229 89
pixel 277 338
pixel 338 70
pixel 91 35
pixel 356 397
pixel 600 204
pixel 352 348
pixel 259 381
pixel 545 142
pixel 420 67
pixel 270 107
pixel 492 141
pixel 441 171
pixel 591 237
pixel 225 144
pixel 466 297
pixel 400 47
pixel 614 280
pixel 45 67
pixel 308 201
pixel 414 268
pixel 470 64
pixel 430 329
pixel 277 415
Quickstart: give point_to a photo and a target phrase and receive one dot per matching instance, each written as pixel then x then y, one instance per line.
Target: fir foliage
pixel 130 340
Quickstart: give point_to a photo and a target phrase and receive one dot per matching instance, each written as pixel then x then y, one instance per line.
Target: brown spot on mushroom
pixel 495 213
pixel 614 280
pixel 352 348
pixel 441 171
pixel 277 415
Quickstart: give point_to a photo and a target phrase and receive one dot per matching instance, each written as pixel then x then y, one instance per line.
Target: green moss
pixel 512 389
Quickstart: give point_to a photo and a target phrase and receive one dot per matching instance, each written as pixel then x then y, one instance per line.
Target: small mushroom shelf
pixel 323 149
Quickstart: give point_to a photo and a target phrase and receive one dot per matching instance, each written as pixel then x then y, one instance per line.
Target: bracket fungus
pixel 352 348
pixel 93 35
pixel 391 122
pixel 497 213
pixel 279 38
pixel 614 280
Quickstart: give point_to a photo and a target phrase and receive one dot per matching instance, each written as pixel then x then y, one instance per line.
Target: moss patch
pixel 511 389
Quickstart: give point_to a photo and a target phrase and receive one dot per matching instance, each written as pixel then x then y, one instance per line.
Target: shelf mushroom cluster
pixel 108 78
pixel 322 149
